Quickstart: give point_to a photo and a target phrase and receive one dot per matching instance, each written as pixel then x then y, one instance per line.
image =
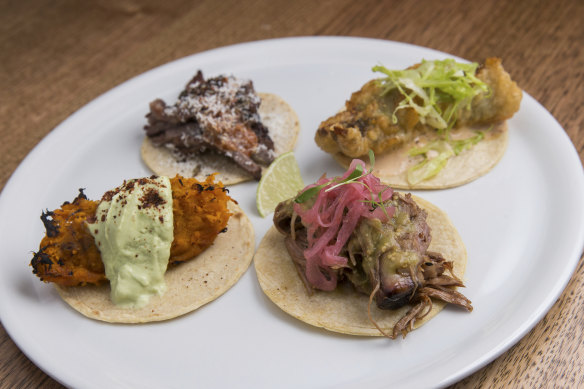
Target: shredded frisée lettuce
pixel 434 89
pixel 437 90
pixel 436 155
pixel 430 166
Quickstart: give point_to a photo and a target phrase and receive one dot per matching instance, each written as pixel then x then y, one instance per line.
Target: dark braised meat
pixel 219 115
pixel 388 261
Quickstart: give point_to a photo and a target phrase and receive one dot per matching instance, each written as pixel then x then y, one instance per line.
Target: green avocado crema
pixel 134 231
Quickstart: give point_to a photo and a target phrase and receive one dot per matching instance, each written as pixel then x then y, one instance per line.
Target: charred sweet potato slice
pixel 68 255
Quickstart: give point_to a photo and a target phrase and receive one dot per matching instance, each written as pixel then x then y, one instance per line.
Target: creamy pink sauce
pixel 397 161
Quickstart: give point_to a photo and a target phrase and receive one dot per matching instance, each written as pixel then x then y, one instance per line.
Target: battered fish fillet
pixel 68 255
pixel 366 122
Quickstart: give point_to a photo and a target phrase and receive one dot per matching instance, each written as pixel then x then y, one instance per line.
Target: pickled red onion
pixel 339 205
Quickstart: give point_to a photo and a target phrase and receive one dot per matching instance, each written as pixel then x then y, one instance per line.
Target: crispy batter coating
pixel 68 255
pixel 503 101
pixel 366 122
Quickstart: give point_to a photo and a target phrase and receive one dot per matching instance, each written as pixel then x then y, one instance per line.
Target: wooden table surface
pixel 58 55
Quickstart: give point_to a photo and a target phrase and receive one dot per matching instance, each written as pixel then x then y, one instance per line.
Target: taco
pixel 438 124
pixel 218 125
pixel 152 249
pixel 350 255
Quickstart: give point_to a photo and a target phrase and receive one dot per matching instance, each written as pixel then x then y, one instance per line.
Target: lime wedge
pixel 279 182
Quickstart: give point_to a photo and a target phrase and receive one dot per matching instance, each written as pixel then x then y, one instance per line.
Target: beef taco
pixel 152 249
pixel 350 255
pixel 436 125
pixel 218 125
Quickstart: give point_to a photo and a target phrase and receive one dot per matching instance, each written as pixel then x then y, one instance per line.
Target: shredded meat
pixel 68 255
pixel 219 115
pixel 381 273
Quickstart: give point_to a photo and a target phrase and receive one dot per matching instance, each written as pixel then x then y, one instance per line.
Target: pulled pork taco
pixel 218 125
pixel 350 255
pixel 152 249
pixel 435 125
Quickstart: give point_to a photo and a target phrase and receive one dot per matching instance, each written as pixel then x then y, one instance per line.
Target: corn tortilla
pixel 189 285
pixel 460 169
pixel 344 310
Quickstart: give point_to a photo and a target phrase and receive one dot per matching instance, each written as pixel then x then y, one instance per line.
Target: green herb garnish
pixel 458 146
pixel 354 176
pixel 429 167
pixel 443 150
pixel 434 89
pixel 437 91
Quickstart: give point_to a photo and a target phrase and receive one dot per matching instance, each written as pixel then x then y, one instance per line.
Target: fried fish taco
pixel 350 255
pixel 218 125
pixel 438 124
pixel 152 249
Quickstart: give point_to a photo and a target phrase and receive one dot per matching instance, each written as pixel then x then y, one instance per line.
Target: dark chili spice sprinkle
pixel 152 198
pixel 108 196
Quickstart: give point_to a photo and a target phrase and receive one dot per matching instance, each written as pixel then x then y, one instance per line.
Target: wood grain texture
pixel 59 55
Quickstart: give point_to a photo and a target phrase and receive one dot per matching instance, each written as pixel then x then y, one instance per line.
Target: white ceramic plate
pixel 523 224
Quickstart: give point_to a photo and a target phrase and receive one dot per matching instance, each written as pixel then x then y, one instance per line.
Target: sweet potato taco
pixel 350 255
pixel 435 125
pixel 218 125
pixel 140 255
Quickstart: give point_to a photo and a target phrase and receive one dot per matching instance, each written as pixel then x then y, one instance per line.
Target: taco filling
pixel 355 230
pixel 151 249
pixel 417 119
pixel 218 125
pixel 219 115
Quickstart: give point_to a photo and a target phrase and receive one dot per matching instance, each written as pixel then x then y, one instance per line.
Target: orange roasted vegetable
pixel 68 255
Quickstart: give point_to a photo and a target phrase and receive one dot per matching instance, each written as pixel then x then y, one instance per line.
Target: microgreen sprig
pixel 379 203
pixel 352 178
pixel 357 173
